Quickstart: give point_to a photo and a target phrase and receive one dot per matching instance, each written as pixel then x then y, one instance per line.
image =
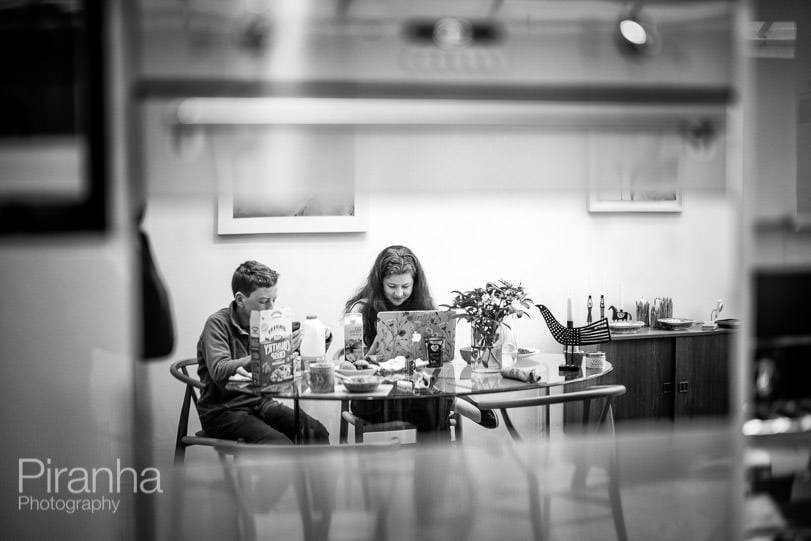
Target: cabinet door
pixel 702 376
pixel 645 367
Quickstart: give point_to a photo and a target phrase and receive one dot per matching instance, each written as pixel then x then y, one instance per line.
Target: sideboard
pixel 669 375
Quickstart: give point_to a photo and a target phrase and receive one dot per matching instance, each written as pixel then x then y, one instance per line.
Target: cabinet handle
pixel 684 386
pixel 667 387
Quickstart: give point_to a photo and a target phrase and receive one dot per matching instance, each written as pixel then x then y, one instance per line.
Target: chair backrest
pixel 606 393
pixel 580 454
pixel 179 370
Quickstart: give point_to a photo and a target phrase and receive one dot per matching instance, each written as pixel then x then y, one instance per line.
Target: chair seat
pixel 201 438
pixel 354 420
pixel 364 427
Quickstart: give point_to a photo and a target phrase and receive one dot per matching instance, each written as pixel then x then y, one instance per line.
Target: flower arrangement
pixel 485 308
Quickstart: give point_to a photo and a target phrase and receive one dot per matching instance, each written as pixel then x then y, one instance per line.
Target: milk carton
pixel 354 349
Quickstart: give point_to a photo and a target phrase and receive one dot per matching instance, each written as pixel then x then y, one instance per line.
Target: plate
pixel 620 327
pixel 357 372
pixel 729 323
pixel 674 323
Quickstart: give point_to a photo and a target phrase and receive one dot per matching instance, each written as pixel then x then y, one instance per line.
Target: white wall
pixel 475 205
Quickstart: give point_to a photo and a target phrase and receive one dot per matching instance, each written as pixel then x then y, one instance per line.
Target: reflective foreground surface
pixel 671 485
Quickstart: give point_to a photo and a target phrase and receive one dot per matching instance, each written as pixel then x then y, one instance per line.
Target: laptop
pixel 394 331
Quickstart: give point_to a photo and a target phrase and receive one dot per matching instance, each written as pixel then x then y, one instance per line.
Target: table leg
pixel 545 412
pixel 297 420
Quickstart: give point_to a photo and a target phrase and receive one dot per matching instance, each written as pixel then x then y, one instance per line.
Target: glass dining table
pixel 453 379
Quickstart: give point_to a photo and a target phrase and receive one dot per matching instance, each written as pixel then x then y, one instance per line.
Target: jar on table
pixel 595 360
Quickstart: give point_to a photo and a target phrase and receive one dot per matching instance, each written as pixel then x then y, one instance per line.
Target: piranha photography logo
pixel 43 486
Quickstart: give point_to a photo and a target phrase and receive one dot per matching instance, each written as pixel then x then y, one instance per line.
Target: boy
pixel 224 349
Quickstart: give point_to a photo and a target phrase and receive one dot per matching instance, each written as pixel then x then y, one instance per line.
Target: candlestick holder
pixel 571 336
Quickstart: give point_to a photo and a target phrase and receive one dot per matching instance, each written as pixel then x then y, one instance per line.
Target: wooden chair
pixel 605 421
pixel 179 370
pixel 259 477
pixel 360 425
pixel 466 407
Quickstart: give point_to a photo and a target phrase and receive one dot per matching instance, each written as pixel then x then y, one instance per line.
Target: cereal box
pixel 271 341
pixel 353 337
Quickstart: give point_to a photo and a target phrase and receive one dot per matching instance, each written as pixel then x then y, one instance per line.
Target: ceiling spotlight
pixel 632 31
pixel 635 35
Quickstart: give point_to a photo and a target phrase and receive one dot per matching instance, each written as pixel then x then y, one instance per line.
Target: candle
pixel 622 297
pixel 569 308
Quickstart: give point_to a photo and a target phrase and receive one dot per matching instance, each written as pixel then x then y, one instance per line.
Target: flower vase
pixel 485 351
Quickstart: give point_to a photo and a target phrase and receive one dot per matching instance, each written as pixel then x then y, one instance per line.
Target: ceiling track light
pixel 635 34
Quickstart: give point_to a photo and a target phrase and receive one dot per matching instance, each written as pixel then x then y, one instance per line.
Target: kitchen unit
pixel 677 375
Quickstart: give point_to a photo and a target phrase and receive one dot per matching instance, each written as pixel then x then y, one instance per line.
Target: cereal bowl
pixel 361 384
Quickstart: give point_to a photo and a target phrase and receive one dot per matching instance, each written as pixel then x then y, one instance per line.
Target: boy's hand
pixel 242 372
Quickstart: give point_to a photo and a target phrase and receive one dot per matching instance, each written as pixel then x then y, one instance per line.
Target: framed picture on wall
pixel 288 179
pixel 635 171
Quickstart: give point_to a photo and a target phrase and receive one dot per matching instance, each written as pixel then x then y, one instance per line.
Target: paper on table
pixel 526 375
pixel 240 377
pixel 398 363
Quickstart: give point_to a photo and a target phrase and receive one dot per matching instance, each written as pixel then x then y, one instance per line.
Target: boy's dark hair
pixel 252 275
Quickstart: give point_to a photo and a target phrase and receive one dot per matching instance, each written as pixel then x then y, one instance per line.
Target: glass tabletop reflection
pixel 454 378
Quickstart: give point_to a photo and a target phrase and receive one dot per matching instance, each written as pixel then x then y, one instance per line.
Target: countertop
pixel 647 332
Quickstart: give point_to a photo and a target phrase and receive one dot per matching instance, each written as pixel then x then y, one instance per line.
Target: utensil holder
pixel 662 309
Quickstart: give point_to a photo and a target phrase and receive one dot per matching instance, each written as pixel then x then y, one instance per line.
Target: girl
pixel 396 282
